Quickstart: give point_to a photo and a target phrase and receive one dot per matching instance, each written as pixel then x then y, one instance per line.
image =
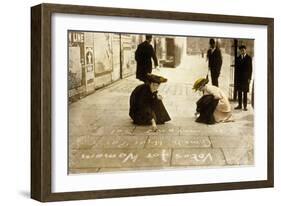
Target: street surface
pixel 102 137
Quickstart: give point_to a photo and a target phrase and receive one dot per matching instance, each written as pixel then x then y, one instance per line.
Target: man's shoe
pixel 238 107
pixel 245 109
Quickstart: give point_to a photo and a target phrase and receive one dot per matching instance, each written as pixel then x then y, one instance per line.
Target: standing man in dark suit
pixel 143 56
pixel 215 61
pixel 244 75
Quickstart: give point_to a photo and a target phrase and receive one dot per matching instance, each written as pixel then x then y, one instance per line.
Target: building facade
pixel 97 59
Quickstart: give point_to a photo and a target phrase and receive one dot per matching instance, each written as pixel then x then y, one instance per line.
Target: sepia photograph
pixel 139 102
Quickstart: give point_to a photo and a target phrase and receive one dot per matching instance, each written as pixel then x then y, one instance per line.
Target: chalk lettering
pixel 98 156
pixel 155 142
pixel 209 155
pixel 131 156
pixel 178 142
pixel 125 157
pixel 110 156
pixel 139 142
pixel 201 157
pixel 120 131
pixel 123 144
pixel 122 155
pixel 164 155
pixel 152 155
pixel 195 157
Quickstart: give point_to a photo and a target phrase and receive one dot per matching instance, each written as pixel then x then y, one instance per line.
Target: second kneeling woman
pixel 213 106
pixel 146 106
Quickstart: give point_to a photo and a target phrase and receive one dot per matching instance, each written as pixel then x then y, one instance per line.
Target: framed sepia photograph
pixel 128 102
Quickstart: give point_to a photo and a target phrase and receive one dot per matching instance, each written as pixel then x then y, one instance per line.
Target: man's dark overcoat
pixel 143 56
pixel 243 73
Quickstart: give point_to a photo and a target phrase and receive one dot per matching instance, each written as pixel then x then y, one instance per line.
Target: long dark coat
pixel 243 73
pixel 143 56
pixel 144 106
pixel 206 106
pixel 214 61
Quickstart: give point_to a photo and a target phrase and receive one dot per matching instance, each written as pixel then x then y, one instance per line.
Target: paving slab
pixel 123 141
pixel 84 142
pixel 238 156
pixel 89 129
pixel 115 121
pixel 162 131
pixel 108 129
pixel 224 129
pixel 198 157
pixel 194 131
pixel 131 169
pixel 232 142
pixel 120 158
pixel 177 142
pixel 84 170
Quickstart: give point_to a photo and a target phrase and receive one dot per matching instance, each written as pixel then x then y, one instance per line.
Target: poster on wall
pixel 75 69
pixel 103 58
pixel 116 49
pixel 89 66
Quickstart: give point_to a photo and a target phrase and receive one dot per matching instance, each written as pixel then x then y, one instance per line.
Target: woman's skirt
pixel 206 106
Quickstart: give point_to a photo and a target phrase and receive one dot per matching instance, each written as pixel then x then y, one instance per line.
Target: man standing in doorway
pixel 244 75
pixel 143 56
pixel 214 58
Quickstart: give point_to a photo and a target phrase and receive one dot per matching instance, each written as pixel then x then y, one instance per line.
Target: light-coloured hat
pixel 199 83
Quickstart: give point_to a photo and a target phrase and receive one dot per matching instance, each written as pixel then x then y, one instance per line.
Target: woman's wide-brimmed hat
pixel 156 78
pixel 199 83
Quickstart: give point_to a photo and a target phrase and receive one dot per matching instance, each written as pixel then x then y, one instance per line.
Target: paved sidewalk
pixel 103 138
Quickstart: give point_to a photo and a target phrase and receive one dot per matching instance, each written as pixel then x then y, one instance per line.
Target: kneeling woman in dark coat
pixel 146 106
